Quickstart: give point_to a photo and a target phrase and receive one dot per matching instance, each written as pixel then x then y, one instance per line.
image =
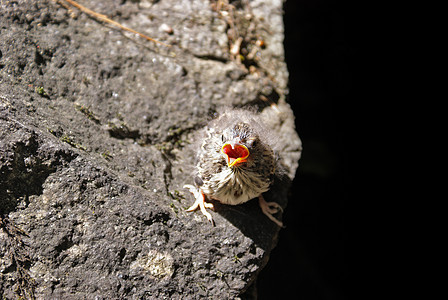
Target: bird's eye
pixel 252 143
pixel 222 137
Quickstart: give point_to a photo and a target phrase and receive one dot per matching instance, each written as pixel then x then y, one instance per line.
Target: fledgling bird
pixel 235 164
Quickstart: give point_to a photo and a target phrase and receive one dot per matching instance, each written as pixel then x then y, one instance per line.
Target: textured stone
pixel 97 135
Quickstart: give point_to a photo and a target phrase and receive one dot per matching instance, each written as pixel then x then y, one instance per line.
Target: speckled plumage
pixel 235 184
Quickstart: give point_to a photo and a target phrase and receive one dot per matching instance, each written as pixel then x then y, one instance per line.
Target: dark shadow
pixel 309 261
pixel 249 218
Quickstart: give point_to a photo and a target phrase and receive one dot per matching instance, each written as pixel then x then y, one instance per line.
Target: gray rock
pixel 96 135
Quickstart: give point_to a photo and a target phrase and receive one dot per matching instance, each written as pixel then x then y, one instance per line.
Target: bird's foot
pixel 200 202
pixel 270 208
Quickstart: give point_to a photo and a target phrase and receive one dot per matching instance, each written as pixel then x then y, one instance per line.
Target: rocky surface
pixel 96 134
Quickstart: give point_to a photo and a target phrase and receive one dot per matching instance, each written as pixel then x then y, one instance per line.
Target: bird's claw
pixel 200 203
pixel 273 207
pixel 270 208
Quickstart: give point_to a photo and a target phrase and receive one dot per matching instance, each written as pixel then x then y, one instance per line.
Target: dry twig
pixel 104 18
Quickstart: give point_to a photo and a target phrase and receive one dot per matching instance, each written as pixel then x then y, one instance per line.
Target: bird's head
pixel 237 144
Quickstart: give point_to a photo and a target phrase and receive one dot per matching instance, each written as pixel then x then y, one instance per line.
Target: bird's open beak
pixel 235 153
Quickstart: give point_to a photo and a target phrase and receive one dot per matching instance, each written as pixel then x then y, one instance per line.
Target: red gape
pixel 237 152
pixel 235 155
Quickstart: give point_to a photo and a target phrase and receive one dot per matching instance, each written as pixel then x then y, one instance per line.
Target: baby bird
pixel 236 164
